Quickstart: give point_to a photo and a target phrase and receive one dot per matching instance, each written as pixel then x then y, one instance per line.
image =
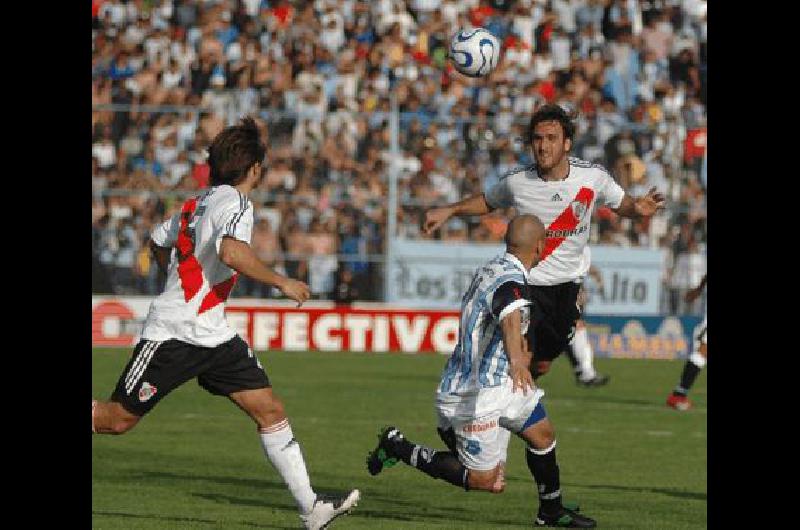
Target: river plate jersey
pixel 565 208
pixel 192 307
pixel 479 359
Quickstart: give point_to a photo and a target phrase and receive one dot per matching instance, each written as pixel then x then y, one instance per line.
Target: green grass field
pixel 196 461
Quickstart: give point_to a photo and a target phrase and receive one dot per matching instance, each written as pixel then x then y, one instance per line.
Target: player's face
pixel 549 145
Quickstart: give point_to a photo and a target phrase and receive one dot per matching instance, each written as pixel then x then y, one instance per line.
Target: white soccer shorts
pixel 477 418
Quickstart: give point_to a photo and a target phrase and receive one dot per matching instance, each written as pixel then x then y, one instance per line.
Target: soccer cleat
pixel 678 402
pixel 597 380
pixel 382 457
pixel 327 508
pixel 564 518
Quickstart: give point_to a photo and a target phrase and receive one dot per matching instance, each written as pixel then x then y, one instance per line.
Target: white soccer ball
pixel 474 52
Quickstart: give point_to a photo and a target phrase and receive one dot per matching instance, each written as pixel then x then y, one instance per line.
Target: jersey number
pixel 190 271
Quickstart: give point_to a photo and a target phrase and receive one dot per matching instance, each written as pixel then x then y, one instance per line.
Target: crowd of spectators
pixel 321 76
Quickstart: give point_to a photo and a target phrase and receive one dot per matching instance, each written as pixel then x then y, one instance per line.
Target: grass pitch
pixel 196 461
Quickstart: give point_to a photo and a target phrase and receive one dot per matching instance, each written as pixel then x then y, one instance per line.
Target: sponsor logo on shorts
pixel 480 427
pixel 147 391
pixel 473 447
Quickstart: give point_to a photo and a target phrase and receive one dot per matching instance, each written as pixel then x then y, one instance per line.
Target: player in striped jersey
pixel 562 192
pixel 486 389
pixel 204 248
pixel 678 399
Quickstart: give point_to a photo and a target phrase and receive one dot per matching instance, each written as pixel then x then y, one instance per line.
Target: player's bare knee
pixel 123 423
pixel 485 480
pixel 269 412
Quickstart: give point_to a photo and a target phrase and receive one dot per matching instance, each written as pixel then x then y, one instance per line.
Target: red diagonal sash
pixel 566 221
pixel 189 269
pixel 218 294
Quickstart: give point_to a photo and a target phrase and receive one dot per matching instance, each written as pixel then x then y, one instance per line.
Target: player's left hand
pixel 650 203
pixel 521 378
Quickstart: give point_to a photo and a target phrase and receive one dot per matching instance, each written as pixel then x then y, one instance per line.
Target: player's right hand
pixel 434 218
pixel 296 290
pixel 521 378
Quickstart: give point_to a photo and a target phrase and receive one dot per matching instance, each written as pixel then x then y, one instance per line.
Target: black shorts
pixel 555 312
pixel 157 368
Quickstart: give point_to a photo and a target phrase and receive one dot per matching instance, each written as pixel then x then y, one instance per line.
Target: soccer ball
pixel 474 52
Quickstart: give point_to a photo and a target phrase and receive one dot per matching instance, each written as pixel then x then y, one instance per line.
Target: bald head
pixel 524 233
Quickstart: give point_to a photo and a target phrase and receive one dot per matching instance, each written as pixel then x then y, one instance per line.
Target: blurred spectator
pixel 319 76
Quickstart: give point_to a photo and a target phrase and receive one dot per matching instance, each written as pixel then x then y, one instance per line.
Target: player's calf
pixel 112 418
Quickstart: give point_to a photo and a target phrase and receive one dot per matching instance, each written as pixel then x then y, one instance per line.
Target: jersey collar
pixel 515 260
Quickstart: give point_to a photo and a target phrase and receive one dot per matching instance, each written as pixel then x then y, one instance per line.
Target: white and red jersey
pixel 192 307
pixel 565 208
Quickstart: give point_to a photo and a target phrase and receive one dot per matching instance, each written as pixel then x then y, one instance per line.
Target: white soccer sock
pixel 94 406
pixel 583 353
pixel 283 451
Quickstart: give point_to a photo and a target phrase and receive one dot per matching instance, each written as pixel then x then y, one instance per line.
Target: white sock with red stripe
pixel 583 353
pixel 283 451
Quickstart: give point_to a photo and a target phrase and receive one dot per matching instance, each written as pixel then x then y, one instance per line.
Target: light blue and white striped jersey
pixel 479 359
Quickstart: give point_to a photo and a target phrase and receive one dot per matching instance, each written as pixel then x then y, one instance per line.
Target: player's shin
pixel 437 464
pixel 583 354
pixel 693 365
pixel 283 451
pixel 544 468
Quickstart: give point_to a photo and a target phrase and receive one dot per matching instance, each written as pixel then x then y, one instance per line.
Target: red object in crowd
pixel 283 13
pixel 362 51
pixel 96 7
pixel 695 144
pixel 201 174
pixel 421 57
pixel 478 15
pixel 547 32
pixel 548 91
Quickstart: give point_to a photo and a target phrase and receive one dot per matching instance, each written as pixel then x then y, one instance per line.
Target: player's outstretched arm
pixel 646 206
pixel 161 255
pixel 472 205
pixel 240 257
pixel 519 359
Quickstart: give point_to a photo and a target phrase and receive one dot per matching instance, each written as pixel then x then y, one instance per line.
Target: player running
pixel 487 390
pixel 204 248
pixel 562 192
pixel 696 361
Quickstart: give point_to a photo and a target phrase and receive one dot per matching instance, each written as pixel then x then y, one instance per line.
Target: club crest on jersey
pixel 147 391
pixel 578 208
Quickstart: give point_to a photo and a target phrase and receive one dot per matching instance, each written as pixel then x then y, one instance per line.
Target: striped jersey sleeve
pixel 166 234
pixel 609 192
pixel 235 219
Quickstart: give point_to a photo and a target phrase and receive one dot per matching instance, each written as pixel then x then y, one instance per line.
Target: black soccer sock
pixel 689 374
pixel 437 464
pixel 544 469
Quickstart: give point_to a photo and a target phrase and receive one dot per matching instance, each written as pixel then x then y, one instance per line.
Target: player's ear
pixel 567 144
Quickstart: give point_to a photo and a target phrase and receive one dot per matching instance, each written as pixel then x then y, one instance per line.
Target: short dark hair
pixel 234 151
pixel 552 113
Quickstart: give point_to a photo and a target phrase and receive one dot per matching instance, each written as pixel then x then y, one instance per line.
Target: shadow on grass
pixel 671 492
pixel 175 519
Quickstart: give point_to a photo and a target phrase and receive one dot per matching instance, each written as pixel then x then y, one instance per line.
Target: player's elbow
pixel 228 253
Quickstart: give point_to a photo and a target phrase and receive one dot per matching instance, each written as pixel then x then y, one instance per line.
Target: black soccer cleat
pixel 564 518
pixel 597 380
pixel 382 456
